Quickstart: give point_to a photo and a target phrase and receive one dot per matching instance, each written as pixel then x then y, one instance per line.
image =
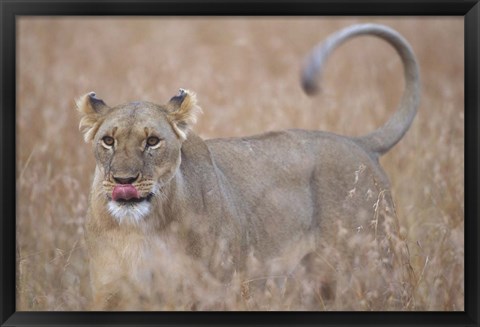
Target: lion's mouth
pixel 128 193
pixel 133 201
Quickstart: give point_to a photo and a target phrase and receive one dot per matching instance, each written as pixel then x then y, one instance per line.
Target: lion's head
pixel 137 148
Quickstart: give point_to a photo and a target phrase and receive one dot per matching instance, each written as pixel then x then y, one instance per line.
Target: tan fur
pixel 186 114
pixel 220 200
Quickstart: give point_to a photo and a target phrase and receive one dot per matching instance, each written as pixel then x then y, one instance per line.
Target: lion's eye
pixel 108 140
pixel 152 141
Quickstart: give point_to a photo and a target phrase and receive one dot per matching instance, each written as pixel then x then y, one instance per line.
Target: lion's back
pixel 294 181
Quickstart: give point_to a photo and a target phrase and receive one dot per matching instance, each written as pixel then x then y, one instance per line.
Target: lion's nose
pixel 125 180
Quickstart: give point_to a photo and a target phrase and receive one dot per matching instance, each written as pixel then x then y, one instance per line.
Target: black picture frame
pixel 10 10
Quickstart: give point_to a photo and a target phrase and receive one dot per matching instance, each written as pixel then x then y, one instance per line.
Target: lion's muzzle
pixel 129 203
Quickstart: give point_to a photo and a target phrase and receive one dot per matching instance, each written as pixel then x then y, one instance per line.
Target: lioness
pixel 225 199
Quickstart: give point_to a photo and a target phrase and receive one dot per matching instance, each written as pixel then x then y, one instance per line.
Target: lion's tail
pixel 385 137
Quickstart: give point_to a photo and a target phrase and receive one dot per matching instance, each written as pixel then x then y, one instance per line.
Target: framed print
pixel 192 163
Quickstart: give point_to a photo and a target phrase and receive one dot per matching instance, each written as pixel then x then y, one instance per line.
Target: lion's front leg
pixel 106 276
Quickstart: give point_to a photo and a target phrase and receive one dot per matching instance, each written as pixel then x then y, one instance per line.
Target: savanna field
pixel 245 72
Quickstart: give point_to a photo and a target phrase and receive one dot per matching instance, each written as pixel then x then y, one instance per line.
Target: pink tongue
pixel 124 192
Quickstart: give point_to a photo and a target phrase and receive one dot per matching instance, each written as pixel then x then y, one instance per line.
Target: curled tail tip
pixel 310 87
pixel 310 78
pixel 385 137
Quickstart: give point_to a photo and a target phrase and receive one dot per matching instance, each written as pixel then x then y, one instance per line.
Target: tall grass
pixel 246 74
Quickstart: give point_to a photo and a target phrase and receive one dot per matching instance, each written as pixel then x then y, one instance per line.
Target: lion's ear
pixel 183 112
pixel 92 110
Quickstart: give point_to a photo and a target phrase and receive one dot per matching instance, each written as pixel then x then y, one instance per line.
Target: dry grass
pixel 246 75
